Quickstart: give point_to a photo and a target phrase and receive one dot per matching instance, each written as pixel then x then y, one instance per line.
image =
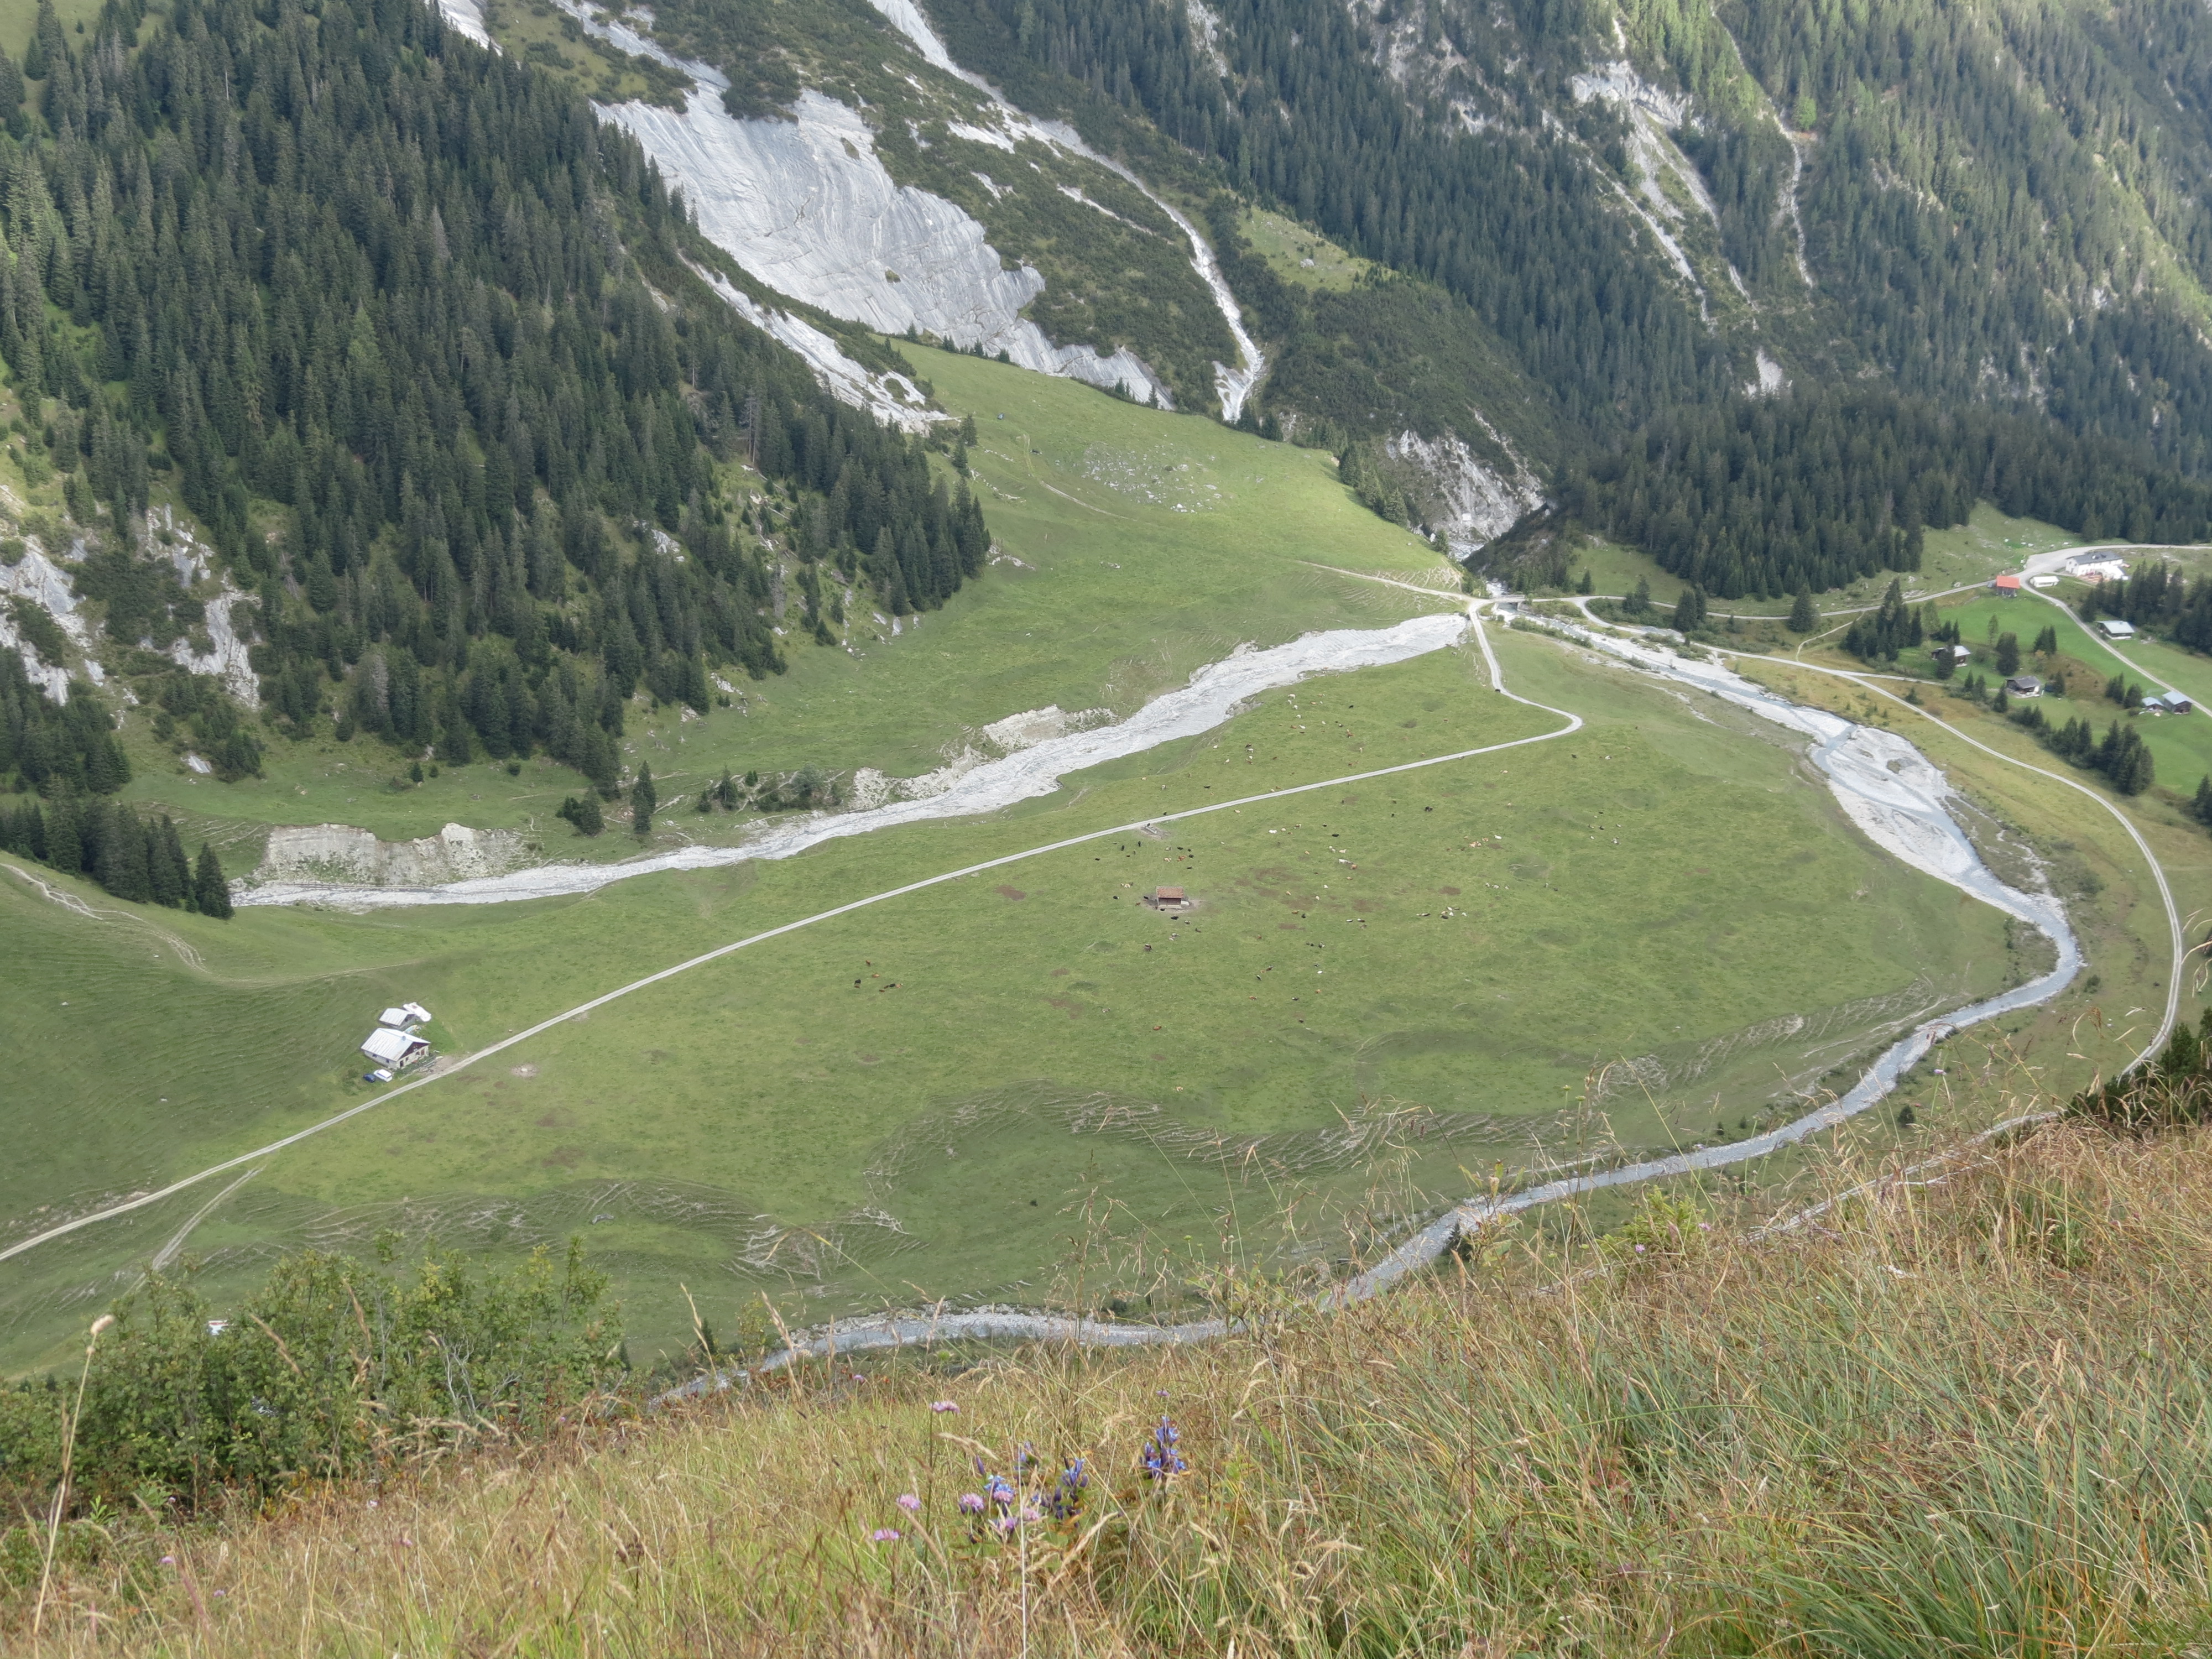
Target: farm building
pixel 387 1047
pixel 1169 898
pixel 2043 582
pixel 2098 568
pixel 2170 702
pixel 2008 586
pixel 2023 685
pixel 407 1014
pixel 2113 629
pixel 1956 653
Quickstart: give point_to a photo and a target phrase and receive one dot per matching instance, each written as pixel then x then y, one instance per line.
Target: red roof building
pixel 2006 585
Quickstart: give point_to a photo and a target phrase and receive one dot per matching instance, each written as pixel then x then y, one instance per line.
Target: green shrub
pixel 332 1366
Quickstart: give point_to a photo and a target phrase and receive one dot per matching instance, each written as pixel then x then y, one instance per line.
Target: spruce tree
pixel 169 875
pixel 1803 618
pixel 208 887
pixel 64 846
pixel 2202 806
pixel 642 800
pixel 2008 654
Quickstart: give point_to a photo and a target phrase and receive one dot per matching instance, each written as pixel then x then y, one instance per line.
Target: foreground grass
pixel 1970 1413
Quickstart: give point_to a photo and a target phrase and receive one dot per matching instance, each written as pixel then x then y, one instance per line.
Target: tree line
pixel 1757 496
pixel 139 859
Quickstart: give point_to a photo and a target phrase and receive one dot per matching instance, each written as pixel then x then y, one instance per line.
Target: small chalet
pixel 2170 702
pixel 395 1049
pixel 2023 685
pixel 2008 586
pixel 1170 899
pixel 1956 653
pixel 2112 628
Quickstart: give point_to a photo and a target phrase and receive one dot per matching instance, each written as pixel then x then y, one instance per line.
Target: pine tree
pixel 1690 609
pixel 1587 584
pixel 209 886
pixel 642 800
pixel 2202 806
pixel 170 875
pixel 583 812
pixel 2008 654
pixel 65 846
pixel 1803 618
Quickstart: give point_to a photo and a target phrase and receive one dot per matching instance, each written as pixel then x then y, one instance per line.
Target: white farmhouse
pixel 395 1049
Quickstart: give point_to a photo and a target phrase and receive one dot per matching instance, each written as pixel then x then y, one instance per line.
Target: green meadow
pixel 1387 995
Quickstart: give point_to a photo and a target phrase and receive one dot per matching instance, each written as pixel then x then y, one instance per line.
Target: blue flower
pixel 1162 1460
pixel 1066 1497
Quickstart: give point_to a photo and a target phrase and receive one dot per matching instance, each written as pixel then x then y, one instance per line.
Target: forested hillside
pixel 1635 211
pixel 416 337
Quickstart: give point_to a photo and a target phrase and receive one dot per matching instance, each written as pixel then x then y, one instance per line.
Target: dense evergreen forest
pixel 415 336
pixel 1761 496
pixel 1508 218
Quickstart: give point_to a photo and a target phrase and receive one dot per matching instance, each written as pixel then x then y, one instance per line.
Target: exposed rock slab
pixel 340 852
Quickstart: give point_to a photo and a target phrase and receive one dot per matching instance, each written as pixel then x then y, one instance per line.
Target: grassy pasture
pixel 1349 1041
pixel 1298 253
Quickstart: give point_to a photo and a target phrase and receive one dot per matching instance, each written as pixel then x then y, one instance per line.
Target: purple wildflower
pixel 1162 1460
pixel 971 1503
pixel 1066 1495
pixel 945 1405
pixel 909 1503
pixel 168 1561
pixel 884 1536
